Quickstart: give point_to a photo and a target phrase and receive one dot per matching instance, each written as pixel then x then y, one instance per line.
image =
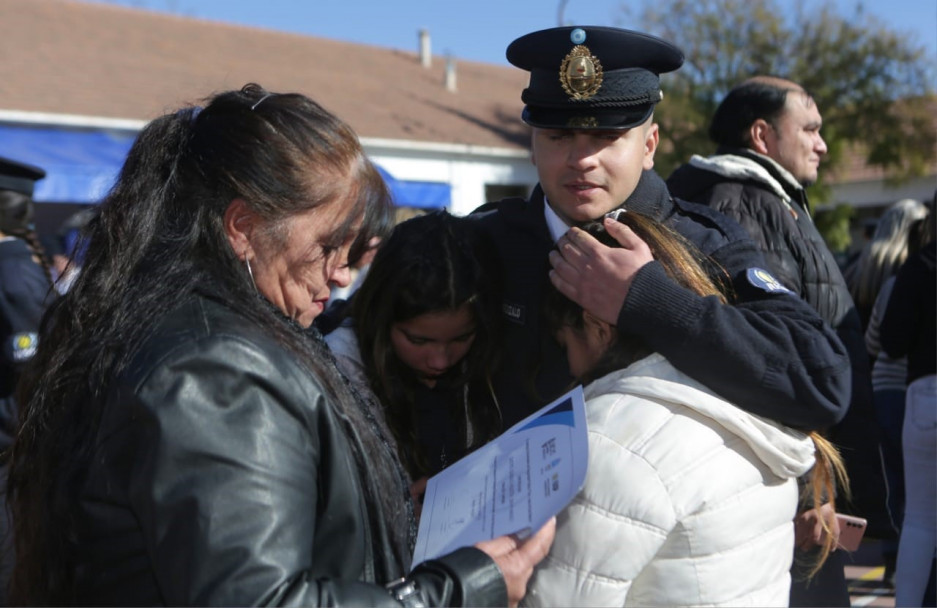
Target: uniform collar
pixel 555 224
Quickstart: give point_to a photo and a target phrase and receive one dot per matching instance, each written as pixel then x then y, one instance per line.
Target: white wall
pixel 467 169
pixel 875 193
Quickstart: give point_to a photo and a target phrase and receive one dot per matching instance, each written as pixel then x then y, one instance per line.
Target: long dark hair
pixel 158 238
pixel 687 266
pixel 431 263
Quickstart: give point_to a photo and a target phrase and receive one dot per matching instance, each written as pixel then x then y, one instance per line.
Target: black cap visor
pixel 587 118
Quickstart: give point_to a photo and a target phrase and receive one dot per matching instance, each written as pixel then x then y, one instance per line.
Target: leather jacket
pixel 221 473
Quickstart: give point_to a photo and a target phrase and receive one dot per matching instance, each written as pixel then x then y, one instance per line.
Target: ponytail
pixel 16 216
pixel 35 246
pixel 828 474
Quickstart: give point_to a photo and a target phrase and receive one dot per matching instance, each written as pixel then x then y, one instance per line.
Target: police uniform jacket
pixel 770 353
pixel 221 474
pixel 23 292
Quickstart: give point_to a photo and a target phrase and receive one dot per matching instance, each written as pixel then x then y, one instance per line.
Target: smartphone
pixel 851 530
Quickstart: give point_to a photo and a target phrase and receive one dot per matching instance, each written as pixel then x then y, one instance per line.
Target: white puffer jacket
pixel 689 500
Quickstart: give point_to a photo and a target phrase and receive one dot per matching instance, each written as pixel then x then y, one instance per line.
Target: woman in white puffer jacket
pixel 689 500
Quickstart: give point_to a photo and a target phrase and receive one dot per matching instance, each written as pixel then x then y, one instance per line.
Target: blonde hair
pixel 884 253
pixel 828 474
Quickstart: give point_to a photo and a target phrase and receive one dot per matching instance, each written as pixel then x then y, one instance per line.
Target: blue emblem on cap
pixel 764 280
pixel 578 35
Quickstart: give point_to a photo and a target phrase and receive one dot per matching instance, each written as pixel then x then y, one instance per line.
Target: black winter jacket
pixel 773 210
pixel 770 354
pixel 909 327
pixel 223 475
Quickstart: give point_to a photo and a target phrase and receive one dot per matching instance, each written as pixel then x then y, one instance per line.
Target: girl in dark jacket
pixel 422 338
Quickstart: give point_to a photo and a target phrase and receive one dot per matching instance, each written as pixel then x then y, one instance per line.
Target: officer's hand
pixel 808 529
pixel 595 276
pixel 516 558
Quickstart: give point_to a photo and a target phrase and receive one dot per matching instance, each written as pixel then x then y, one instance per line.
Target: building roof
pixel 101 60
pixel 92 59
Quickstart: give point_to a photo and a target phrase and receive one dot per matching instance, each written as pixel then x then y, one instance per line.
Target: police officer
pixel 25 285
pixel 25 282
pixel 590 103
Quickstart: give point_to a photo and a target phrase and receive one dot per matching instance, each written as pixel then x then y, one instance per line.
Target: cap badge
pixel 581 73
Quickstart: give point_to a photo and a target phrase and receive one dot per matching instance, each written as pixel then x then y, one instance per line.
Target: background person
pixel 70 235
pixel 25 279
pixel 337 308
pixel 688 500
pixel 873 276
pixel 186 439
pixel 909 329
pixel 422 337
pixel 25 291
pixel 882 255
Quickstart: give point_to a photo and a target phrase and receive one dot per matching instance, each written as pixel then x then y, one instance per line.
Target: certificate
pixel 514 484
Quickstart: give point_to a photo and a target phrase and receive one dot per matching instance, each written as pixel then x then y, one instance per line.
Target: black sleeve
pixel 770 353
pixel 901 318
pixel 465 577
pixel 753 215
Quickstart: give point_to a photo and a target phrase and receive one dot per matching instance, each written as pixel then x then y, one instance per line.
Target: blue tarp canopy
pixel 82 164
pixel 426 195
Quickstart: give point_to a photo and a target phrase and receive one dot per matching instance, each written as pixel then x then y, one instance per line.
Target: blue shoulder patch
pixel 23 346
pixel 764 280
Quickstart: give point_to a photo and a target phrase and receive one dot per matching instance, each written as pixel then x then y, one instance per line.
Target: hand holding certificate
pixel 513 485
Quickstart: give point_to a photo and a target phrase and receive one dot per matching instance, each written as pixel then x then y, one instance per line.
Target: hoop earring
pixel 250 272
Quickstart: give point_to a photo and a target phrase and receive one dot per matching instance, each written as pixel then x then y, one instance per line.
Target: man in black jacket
pixel 590 102
pixel 768 132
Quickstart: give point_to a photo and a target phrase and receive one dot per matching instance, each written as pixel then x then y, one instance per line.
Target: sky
pixel 475 30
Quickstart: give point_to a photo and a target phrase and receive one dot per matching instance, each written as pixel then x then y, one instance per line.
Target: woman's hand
pixel 516 558
pixel 808 529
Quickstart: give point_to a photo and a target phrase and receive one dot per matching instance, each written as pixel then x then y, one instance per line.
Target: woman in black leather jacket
pixel 186 439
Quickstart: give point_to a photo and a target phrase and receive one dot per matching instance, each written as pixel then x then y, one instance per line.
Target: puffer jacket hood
pixel 734 166
pixel 787 452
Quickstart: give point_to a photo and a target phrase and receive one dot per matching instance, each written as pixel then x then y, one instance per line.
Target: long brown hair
pixel 431 263
pixel 684 263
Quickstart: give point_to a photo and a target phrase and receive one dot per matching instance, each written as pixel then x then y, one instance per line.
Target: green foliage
pixel 872 85
pixel 833 224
